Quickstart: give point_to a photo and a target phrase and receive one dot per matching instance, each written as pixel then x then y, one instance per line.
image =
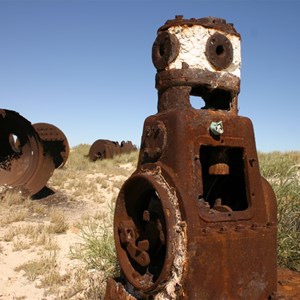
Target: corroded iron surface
pixel 196 220
pixel 24 163
pixel 102 149
pixel 55 142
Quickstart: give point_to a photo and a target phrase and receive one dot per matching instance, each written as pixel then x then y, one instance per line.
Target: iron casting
pixel 104 149
pixel 24 162
pixel 196 220
pixel 55 142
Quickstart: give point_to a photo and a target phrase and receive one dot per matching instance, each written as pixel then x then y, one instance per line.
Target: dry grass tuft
pixel 283 172
pixel 58 222
pixel 38 267
pixel 97 251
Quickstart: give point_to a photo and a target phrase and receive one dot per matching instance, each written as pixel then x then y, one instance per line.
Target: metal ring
pixel 165 49
pixel 219 51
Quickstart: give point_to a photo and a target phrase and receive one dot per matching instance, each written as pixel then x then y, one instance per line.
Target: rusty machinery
pixel 26 160
pixel 55 142
pixel 102 149
pixel 196 220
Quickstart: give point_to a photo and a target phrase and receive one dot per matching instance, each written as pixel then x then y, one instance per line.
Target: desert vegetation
pixel 283 172
pixel 62 245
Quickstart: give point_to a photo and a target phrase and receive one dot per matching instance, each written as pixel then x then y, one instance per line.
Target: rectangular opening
pixel 223 179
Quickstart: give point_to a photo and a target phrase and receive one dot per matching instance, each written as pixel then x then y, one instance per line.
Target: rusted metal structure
pixel 196 220
pixel 103 149
pixel 24 161
pixel 55 142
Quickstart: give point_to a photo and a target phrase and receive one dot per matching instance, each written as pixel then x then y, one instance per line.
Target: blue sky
pixel 86 67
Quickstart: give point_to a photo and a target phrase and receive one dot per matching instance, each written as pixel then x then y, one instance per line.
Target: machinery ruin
pixel 55 141
pixel 104 149
pixel 29 153
pixel 196 220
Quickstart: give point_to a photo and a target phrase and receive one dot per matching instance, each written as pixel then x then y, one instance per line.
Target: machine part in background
pixel 24 163
pixel 55 142
pixel 103 149
pixel 196 220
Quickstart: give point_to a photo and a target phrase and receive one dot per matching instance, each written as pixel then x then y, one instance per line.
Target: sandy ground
pixel 15 286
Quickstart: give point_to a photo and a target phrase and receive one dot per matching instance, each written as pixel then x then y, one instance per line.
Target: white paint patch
pixel 193 41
